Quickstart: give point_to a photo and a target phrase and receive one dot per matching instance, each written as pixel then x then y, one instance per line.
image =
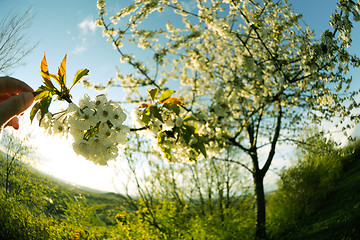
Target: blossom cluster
pixel 96 127
pixel 167 136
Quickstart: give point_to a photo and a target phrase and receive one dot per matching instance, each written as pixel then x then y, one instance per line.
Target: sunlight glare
pixel 57 158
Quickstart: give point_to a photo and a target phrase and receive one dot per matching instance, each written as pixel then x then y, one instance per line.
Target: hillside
pixel 37 189
pixel 329 206
pixel 338 216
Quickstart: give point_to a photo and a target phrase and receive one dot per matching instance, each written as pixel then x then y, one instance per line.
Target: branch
pixel 142 71
pixel 138 129
pixel 273 143
pixel 236 162
pixel 258 125
pixel 236 144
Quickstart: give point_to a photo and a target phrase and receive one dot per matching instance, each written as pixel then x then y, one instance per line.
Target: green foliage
pixel 307 188
pixel 18 222
pixel 324 174
pixel 80 213
pixel 238 223
pixel 181 222
pixel 313 197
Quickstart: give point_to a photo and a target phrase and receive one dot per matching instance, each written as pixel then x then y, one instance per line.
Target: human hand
pixel 15 97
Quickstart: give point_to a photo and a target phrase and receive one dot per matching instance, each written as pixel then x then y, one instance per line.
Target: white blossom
pixel 100 4
pixel 81 147
pixel 59 127
pixel 96 126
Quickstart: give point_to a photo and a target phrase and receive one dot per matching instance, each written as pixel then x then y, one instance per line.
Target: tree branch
pixel 273 143
pixel 236 162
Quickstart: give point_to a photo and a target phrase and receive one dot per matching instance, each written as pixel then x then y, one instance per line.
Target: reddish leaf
pixel 173 100
pixel 44 68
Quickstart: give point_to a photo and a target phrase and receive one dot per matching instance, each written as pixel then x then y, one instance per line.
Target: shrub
pixel 17 222
pixel 304 187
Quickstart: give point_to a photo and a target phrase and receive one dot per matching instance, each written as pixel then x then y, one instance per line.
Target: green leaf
pixel 79 75
pixel 146 116
pixel 188 131
pixel 161 138
pixel 153 93
pixel 42 95
pixel 155 112
pixel 34 110
pixel 56 77
pixel 91 132
pixel 43 92
pixel 202 139
pixel 167 153
pixel 43 106
pixel 190 118
pixel 200 146
pixel 172 107
pixel 166 95
pixel 46 79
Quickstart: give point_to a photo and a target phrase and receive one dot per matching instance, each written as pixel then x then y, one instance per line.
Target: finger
pixel 4 96
pixel 13 85
pixel 14 122
pixel 14 106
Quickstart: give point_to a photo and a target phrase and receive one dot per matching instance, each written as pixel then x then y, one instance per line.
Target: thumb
pixel 14 106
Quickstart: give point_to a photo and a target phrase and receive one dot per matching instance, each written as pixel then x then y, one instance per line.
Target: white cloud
pixel 87 25
pixel 81 46
pixel 79 49
pixel 190 6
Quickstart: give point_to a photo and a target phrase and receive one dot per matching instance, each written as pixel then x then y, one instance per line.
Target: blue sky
pixel 64 27
pixel 67 27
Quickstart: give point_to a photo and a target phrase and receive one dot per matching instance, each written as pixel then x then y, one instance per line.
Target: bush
pixel 304 187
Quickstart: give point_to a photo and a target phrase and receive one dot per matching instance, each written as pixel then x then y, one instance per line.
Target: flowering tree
pixel 249 75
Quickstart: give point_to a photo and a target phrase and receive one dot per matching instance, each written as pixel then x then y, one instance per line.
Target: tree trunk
pixel 260 233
